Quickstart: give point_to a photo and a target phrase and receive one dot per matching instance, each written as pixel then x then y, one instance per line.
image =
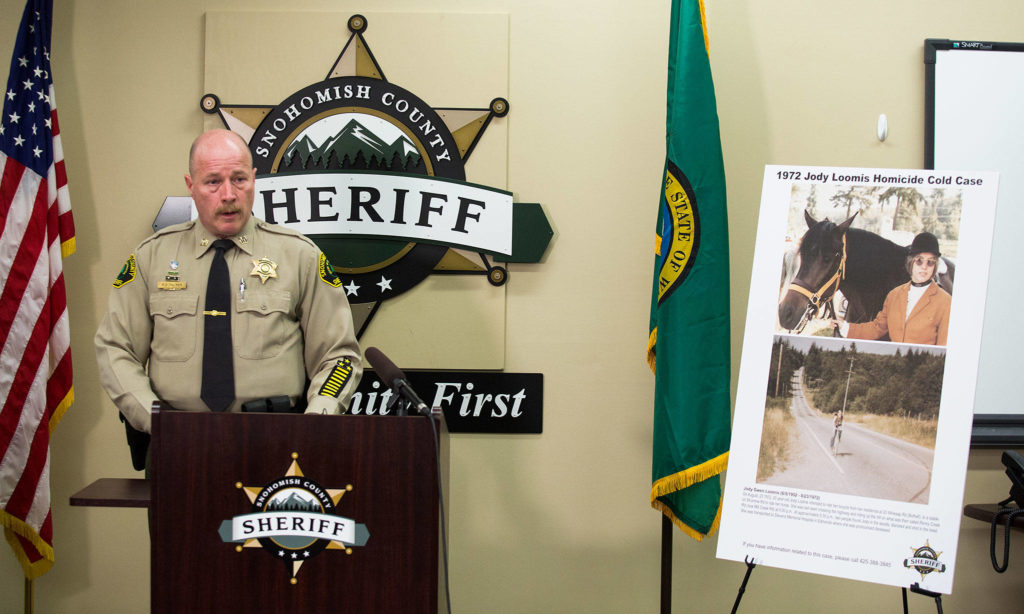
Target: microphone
pixel 393 376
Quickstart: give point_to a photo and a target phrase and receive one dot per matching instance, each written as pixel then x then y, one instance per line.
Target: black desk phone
pixel 1014 463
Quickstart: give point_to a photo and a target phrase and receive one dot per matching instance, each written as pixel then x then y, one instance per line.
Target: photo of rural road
pixel 884 446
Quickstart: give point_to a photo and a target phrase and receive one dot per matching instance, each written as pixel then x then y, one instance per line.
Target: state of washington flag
pixel 688 347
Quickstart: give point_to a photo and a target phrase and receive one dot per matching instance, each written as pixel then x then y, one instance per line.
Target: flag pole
pixel 28 596
pixel 666 565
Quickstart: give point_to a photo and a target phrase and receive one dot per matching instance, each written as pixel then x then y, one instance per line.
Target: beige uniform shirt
pixel 290 321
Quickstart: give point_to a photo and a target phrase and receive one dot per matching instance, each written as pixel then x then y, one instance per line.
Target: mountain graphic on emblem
pixel 354 147
pixel 294 503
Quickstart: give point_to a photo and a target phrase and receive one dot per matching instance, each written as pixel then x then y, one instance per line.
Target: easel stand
pixel 914 588
pixel 743 587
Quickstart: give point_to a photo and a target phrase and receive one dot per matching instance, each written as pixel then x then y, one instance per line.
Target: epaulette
pixel 172 229
pixel 284 231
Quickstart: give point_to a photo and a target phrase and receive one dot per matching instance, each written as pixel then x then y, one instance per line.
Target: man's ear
pixel 188 182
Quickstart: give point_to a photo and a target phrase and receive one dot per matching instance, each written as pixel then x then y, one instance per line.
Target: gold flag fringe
pixel 651 353
pixel 688 477
pixel 687 529
pixel 15 526
pixel 684 479
pixel 67 247
pixel 704 27
pixel 62 408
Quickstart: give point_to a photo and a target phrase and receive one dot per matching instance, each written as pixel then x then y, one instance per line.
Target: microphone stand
pixel 402 403
pixel 398 403
pixel 436 417
pixel 402 399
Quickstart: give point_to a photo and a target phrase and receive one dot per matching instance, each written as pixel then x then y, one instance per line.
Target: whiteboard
pixel 974 120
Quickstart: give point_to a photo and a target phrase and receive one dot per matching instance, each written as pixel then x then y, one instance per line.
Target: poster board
pixel 884 505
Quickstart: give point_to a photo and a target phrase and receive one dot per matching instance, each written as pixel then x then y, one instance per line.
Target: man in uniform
pixel 212 314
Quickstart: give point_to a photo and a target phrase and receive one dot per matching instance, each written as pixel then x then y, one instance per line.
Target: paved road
pixel 868 464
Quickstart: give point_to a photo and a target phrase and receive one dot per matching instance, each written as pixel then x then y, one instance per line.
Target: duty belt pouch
pixel 138 444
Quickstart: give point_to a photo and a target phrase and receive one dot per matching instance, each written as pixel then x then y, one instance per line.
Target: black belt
pixel 275 405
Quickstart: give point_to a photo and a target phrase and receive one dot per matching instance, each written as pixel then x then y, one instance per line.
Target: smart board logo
pixel 376 177
pixel 972 45
pixel 293 519
pixel 925 561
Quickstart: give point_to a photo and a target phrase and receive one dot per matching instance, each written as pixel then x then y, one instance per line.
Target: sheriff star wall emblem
pixel 376 177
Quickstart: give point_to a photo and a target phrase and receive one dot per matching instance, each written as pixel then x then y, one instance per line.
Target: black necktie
pixel 218 389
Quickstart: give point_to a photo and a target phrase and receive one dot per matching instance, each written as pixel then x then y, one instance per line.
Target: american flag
pixel 36 231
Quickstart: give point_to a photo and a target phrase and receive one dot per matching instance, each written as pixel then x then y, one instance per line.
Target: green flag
pixel 688 348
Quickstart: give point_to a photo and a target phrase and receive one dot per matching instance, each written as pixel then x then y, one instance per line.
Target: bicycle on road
pixel 837 432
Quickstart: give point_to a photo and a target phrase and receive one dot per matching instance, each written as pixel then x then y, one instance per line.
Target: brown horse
pixel 860 264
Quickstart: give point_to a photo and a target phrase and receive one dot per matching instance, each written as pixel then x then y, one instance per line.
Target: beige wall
pixel 557 522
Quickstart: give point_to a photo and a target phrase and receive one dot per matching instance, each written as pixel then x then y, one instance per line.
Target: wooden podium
pixel 292 483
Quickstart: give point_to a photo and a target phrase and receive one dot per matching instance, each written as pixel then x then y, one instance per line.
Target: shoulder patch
pixel 127 272
pixel 327 273
pixel 336 381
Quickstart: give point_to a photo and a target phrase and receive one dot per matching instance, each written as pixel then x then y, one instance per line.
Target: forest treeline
pixel 908 383
pixel 882 208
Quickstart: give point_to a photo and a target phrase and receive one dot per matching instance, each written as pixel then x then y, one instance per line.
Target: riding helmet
pixel 925 243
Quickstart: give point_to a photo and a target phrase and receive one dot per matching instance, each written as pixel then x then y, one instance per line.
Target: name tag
pixel 171 285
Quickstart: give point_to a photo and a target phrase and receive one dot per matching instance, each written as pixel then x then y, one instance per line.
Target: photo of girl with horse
pixel 915 312
pixel 839 279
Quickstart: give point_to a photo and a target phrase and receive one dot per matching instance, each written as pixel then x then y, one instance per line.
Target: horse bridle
pixel 815 299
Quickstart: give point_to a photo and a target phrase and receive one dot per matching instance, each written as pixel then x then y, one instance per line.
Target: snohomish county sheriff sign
pixel 293 519
pixel 376 177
